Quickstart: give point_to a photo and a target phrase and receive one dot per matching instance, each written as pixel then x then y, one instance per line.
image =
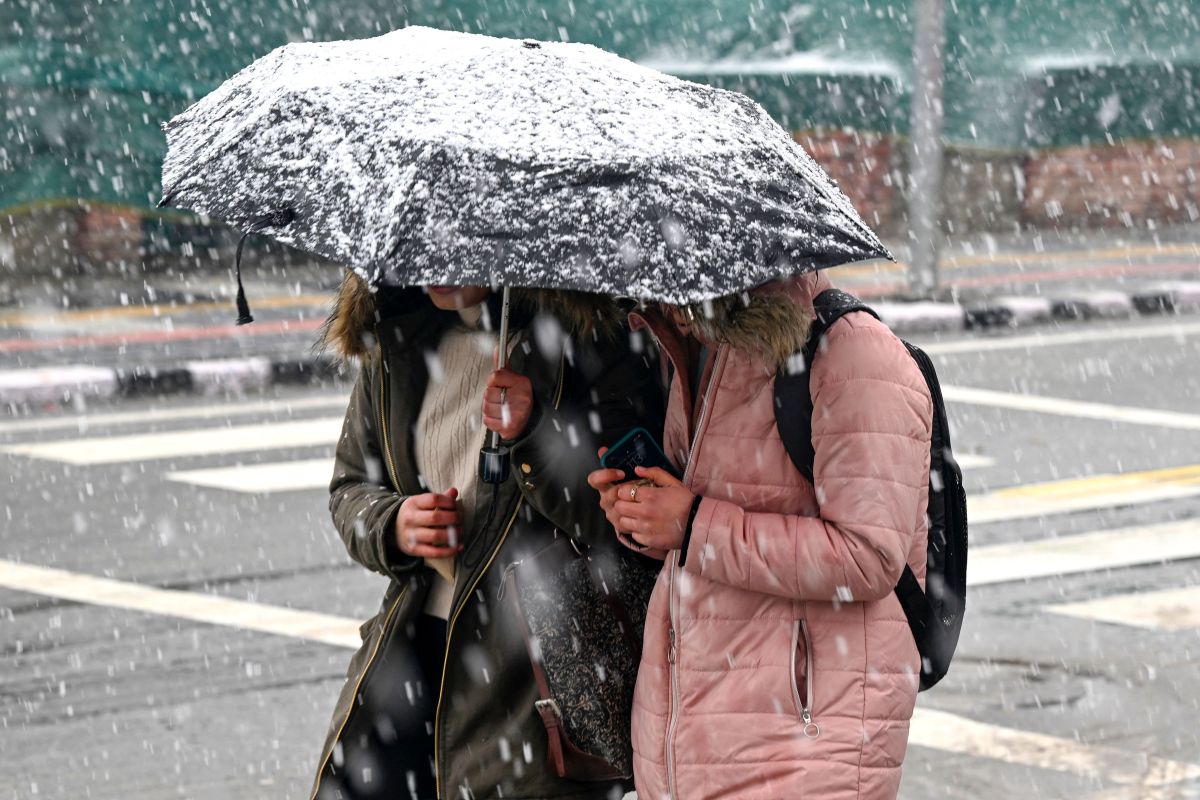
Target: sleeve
pixel 362 501
pixel 872 418
pixel 607 390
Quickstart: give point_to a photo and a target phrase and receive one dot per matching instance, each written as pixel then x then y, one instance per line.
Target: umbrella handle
pixel 494 458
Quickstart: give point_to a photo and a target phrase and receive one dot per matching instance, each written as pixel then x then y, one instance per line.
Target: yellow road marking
pixel 1103 484
pixel 1085 494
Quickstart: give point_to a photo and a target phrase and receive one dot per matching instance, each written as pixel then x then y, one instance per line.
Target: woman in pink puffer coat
pixel 777 660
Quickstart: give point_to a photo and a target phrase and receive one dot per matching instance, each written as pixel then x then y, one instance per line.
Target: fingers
pixel 601 479
pixel 628 524
pixel 638 492
pixel 630 542
pixel 600 453
pixel 659 475
pixel 429 551
pixel 509 427
pixel 501 415
pixel 507 403
pixel 506 379
pixel 641 509
pixel 432 500
pixel 436 537
pixel 438 518
pixel 427 526
pixel 505 410
pixel 430 542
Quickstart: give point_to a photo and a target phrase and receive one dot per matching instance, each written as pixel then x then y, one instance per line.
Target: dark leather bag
pixel 583 613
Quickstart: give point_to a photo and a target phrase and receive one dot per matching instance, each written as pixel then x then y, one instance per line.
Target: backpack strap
pixel 793 401
pixel 793 417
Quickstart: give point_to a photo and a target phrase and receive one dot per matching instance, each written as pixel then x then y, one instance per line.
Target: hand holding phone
pixel 636 449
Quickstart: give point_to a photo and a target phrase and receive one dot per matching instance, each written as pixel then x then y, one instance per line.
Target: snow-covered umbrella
pixel 433 157
pixel 428 157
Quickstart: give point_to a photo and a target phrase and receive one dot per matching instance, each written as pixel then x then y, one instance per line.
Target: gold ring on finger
pixel 633 494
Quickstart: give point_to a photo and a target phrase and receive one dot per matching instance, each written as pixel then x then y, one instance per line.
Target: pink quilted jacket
pixel 778 663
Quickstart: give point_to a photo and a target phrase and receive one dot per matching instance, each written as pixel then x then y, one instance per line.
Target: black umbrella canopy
pixel 433 157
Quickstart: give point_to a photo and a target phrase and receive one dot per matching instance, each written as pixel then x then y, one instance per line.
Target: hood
pixel 771 321
pixel 350 329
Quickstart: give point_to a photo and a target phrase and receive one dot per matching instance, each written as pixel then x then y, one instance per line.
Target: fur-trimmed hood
pixel 771 321
pixel 350 329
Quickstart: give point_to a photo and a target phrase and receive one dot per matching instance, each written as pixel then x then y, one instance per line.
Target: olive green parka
pixel 590 387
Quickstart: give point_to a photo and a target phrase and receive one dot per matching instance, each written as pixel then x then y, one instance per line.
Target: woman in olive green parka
pixel 446 710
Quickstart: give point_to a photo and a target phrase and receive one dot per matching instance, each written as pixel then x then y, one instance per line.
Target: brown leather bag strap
pixel 546 705
pixel 548 711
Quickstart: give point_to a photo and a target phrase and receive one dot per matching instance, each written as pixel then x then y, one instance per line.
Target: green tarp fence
pixel 85 84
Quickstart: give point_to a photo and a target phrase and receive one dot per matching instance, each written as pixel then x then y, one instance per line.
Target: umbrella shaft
pixel 502 353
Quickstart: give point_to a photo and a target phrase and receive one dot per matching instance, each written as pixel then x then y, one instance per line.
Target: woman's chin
pixel 454 298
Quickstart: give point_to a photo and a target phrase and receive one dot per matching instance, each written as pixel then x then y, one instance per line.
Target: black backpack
pixel 935 615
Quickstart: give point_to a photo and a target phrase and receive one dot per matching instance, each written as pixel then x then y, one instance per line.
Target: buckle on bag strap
pixel 548 708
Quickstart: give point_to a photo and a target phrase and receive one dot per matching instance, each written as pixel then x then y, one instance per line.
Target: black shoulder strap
pixel 793 402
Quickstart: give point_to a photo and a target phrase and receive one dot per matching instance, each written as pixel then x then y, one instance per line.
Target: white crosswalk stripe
pixel 170 444
pixel 1087 552
pixel 82 423
pixel 1166 610
pixel 285 476
pixel 1072 408
pixel 195 606
pixel 955 734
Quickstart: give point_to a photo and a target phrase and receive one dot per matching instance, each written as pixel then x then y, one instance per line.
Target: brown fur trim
pixel 581 313
pixel 349 330
pixel 768 324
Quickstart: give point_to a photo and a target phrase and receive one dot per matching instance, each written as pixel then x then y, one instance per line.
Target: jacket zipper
pixel 383 429
pixel 437 717
pixel 672 565
pixel 800 630
pixel 383 637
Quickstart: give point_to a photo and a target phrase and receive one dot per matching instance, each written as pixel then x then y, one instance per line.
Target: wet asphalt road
pixel 103 702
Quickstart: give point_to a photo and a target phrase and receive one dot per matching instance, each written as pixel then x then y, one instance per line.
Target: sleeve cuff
pixel 687 533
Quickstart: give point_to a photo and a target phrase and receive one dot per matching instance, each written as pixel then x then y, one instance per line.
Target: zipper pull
pixel 811 729
pixel 508 570
pixel 671 648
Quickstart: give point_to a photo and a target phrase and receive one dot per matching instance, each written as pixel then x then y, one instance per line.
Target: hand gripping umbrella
pixel 426 157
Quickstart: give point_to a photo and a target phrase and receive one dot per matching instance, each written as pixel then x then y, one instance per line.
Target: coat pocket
pixel 801 674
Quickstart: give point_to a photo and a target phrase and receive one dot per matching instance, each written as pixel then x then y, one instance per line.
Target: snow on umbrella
pixel 427 157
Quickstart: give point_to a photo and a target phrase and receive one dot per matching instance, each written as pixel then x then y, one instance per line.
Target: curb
pixel 1005 311
pixel 21 387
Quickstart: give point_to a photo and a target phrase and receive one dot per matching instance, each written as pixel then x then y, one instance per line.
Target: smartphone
pixel 636 449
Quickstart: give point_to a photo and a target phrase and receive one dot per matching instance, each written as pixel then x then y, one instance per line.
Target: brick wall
pixel 107 235
pixel 1127 184
pixel 863 165
pixel 1130 184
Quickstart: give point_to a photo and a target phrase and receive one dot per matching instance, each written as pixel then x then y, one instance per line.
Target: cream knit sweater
pixel 450 432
